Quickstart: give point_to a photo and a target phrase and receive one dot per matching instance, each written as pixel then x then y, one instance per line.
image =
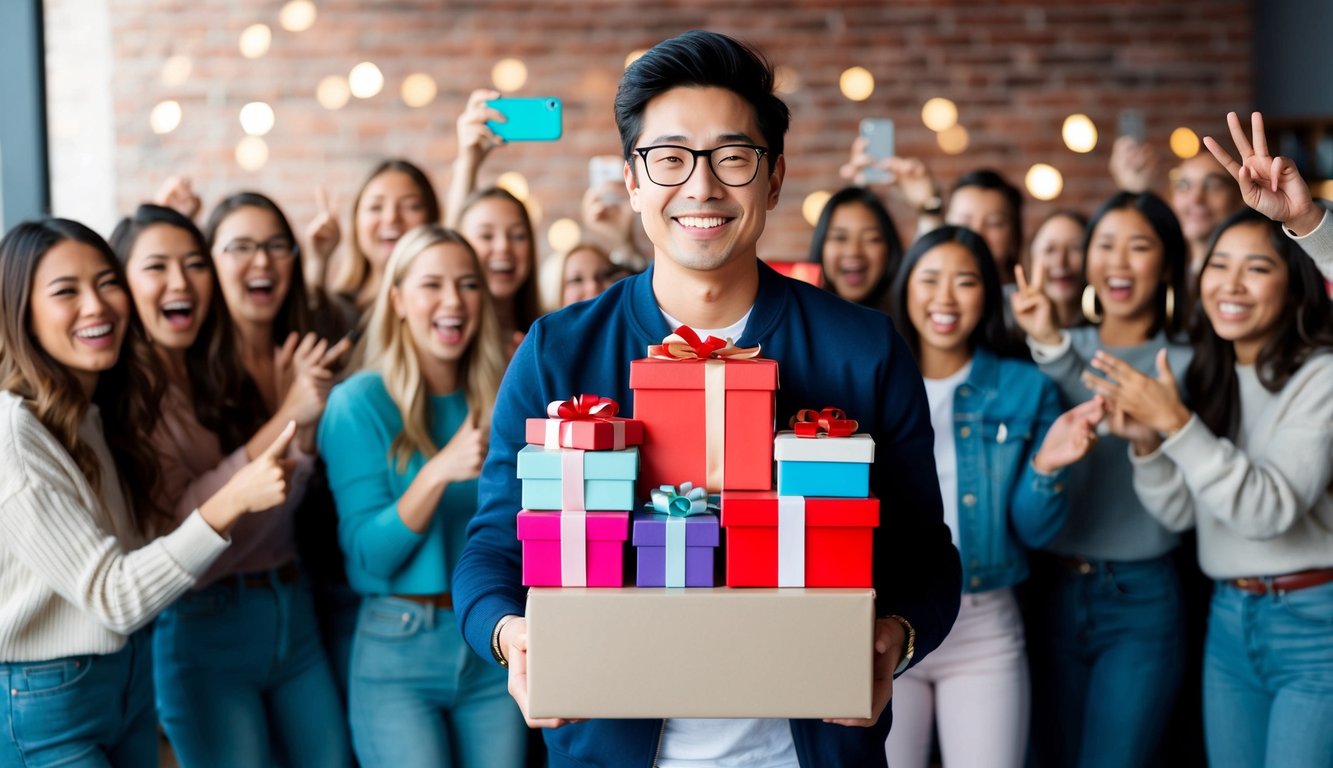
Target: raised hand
pixel 1134 165
pixel 304 377
pixel 178 194
pixel 1071 436
pixel 1033 309
pixel 475 139
pixel 1270 185
pixel 323 232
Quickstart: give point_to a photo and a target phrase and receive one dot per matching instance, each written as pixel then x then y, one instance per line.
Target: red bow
pixel 684 344
pixel 582 408
pixel 831 422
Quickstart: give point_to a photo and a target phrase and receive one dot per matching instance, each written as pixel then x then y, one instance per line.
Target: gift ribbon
pixel 573 548
pixel 563 413
pixel 685 344
pixel 791 541
pixel 678 505
pixel 571 479
pixel 829 422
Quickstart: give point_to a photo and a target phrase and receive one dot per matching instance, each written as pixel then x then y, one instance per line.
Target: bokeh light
pixel 1044 182
pixel 333 92
pixel 419 89
pixel 857 83
pixel 165 117
pixel 257 118
pixel 953 140
pixel 365 80
pixel 509 75
pixel 297 15
pixel 1184 143
pixel 563 234
pixel 939 114
pixel 814 205
pixel 251 153
pixel 255 41
pixel 514 183
pixel 1079 133
pixel 176 70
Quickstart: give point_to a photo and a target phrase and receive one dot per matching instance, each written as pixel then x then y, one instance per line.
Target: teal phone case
pixel 536 119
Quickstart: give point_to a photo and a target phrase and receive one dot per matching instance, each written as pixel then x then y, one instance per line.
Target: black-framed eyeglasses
pixel 670 165
pixel 278 249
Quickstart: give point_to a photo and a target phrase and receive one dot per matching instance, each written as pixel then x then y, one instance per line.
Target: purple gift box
pixel 652 541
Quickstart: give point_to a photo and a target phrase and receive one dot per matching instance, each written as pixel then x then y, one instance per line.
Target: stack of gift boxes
pixel 703 416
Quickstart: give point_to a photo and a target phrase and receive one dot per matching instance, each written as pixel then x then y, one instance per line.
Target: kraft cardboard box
pixel 650 653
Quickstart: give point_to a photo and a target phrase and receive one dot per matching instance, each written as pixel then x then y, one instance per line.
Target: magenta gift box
pixel 604 550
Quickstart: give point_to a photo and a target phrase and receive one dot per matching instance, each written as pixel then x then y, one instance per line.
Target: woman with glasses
pixel 242 676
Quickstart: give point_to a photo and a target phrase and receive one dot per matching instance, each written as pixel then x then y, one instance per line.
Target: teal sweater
pixel 385 557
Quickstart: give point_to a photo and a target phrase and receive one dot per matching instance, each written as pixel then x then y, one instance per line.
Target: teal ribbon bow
pixel 685 502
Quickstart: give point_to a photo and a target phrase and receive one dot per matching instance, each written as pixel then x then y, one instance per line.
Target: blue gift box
pixel 833 467
pixel 608 478
pixel 695 566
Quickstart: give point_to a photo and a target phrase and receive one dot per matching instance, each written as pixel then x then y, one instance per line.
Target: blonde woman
pixel 404 440
pixel 578 274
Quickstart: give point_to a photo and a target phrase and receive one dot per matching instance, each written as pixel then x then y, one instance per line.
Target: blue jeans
pixel 337 607
pixel 421 697
pixel 242 679
pixel 1268 678
pixel 81 711
pixel 1108 669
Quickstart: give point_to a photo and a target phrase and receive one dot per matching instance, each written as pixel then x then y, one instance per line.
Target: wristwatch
pixel 496 651
pixel 910 649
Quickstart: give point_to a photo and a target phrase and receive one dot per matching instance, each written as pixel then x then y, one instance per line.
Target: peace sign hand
pixel 323 232
pixel 1270 185
pixel 1033 309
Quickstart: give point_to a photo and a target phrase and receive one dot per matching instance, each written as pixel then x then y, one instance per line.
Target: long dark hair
pixel 1175 255
pixel 221 389
pixel 527 305
pixel 1304 327
pixel 128 395
pixel 879 293
pixel 302 310
pixel 990 333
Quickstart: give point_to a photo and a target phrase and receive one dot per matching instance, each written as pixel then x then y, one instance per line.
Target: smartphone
pixel 878 133
pixel 536 119
pixel 606 173
pixel 1131 125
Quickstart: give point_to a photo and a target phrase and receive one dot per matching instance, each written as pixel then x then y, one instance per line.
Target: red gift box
pixel 586 422
pixel 732 449
pixel 762 547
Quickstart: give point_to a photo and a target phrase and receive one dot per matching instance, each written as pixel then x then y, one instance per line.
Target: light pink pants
pixel 975 683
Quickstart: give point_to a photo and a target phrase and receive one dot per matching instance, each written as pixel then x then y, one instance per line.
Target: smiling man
pixel 703 144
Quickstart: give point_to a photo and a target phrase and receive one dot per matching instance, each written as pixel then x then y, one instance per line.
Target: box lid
pixel 760 508
pixel 651 373
pixel 650 530
pixel 858 449
pixel 536 462
pixel 545 526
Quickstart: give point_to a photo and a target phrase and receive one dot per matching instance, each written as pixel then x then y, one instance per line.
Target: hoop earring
pixel 1090 305
pixel 1170 304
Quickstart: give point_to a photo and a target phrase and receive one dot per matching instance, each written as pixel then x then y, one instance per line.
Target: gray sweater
pixel 1263 505
pixel 1106 519
pixel 1319 244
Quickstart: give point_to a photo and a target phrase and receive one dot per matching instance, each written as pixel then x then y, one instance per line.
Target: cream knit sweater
pixel 69 584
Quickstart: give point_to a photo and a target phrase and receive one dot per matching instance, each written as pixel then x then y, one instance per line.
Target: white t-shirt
pixel 726 743
pixel 939 393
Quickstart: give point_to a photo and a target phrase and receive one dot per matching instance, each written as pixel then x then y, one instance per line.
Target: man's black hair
pixel 701 59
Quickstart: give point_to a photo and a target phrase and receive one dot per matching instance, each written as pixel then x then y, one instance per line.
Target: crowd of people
pixel 259 483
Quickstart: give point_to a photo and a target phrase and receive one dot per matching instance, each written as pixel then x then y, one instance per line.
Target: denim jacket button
pixel 965 431
pixel 1059 487
pixel 969 500
pixel 964 391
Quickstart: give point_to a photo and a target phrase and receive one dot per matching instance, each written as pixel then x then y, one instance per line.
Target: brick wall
pixel 1015 69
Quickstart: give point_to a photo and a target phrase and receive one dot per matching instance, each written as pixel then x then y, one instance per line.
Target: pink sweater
pixel 194 468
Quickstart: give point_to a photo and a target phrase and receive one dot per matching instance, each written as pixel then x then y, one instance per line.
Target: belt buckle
pixel 1255 586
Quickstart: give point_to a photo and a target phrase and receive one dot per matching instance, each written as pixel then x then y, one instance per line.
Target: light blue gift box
pixel 833 467
pixel 608 478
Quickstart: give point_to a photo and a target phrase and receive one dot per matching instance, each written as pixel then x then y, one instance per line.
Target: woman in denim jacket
pixel 1001 446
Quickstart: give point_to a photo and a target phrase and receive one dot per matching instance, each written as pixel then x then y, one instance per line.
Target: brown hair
pixel 354 270
pixel 128 395
pixel 526 304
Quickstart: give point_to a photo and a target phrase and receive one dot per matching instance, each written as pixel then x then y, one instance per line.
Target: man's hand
pixel 889 639
pixel 514 638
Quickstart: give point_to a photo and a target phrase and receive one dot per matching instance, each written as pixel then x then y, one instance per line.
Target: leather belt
pixel 444 600
pixel 1290 582
pixel 1076 564
pixel 287 573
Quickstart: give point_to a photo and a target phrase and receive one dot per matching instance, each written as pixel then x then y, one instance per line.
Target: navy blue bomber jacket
pixel 829 353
